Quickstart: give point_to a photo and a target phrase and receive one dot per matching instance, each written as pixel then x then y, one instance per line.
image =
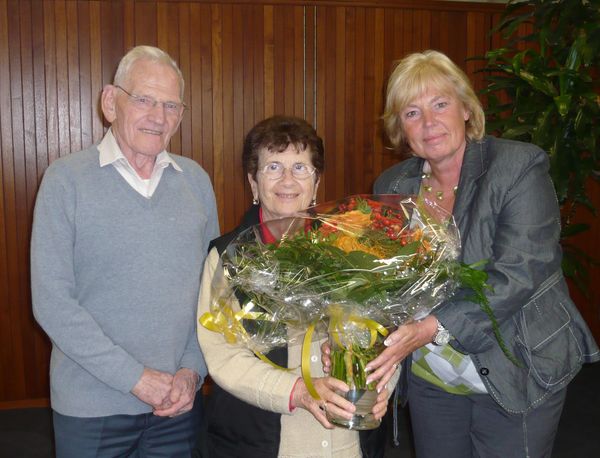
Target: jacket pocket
pixel 545 338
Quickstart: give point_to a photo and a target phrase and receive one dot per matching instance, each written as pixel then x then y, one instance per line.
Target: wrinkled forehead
pixel 276 152
pixel 148 74
pixel 422 84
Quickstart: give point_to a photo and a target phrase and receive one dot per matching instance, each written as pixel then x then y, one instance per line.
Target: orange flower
pixel 348 243
pixel 355 220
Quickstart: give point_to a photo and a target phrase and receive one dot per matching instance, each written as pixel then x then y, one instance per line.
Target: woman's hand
pixel 325 359
pixel 380 407
pixel 400 343
pixel 326 362
pixel 330 400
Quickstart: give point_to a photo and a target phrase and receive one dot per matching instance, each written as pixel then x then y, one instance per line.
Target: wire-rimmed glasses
pixel 147 103
pixel 299 170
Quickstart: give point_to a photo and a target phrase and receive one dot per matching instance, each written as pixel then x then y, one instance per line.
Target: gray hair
pixel 150 53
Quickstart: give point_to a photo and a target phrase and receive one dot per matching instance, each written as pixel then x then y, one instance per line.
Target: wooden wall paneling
pixel 352 156
pixel 268 61
pixel 235 67
pixel 39 86
pixel 186 47
pixel 375 95
pixel 129 29
pixel 86 98
pixel 146 24
pixel 362 121
pixel 169 30
pixel 319 121
pixel 217 107
pixel 38 368
pixel 278 27
pixel 6 196
pixel 288 76
pixel 250 21
pixel 310 68
pixel 113 47
pixel 206 89
pixel 73 67
pixel 25 199
pixel 299 70
pixel 339 166
pixel 327 47
pixel 15 203
pixel 247 46
pixel 62 78
pixel 96 70
pixel 194 83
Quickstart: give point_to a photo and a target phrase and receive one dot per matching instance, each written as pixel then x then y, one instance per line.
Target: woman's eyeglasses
pixel 299 170
pixel 147 103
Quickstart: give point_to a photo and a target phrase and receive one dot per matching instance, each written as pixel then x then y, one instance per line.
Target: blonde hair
pixel 150 53
pixel 417 73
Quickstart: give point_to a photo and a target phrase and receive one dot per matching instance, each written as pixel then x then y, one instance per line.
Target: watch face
pixel 442 337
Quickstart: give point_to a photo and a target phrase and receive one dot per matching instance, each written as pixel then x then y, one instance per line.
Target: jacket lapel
pixel 473 168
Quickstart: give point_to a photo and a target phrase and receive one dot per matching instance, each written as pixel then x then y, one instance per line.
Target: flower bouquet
pixel 354 267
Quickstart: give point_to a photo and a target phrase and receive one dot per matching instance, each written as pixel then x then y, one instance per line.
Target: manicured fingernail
pixel 368 369
pixel 388 342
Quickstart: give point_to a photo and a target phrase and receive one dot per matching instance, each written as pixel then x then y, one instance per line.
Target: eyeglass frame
pixel 312 169
pixel 136 97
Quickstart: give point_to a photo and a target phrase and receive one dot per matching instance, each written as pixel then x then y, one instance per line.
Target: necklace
pixel 439 195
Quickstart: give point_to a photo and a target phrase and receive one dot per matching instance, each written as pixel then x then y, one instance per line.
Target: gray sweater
pixel 115 279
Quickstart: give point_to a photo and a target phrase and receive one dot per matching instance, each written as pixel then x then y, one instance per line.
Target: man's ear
pixel 109 102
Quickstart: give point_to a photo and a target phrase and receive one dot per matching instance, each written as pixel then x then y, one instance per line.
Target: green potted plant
pixel 544 89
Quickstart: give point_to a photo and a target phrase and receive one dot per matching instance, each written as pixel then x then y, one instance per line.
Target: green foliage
pixel 544 89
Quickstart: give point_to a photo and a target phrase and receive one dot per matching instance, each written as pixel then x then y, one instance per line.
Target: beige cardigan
pixel 238 371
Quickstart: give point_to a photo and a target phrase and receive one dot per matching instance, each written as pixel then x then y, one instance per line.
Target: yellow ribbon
pixel 336 322
pixel 228 323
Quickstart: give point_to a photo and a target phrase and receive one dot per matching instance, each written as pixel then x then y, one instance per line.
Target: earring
pixel 255 201
pixel 313 202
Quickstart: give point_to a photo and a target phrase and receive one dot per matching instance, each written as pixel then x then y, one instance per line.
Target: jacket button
pixel 484 371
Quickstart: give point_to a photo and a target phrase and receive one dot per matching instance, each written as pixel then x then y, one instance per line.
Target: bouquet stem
pixel 348 364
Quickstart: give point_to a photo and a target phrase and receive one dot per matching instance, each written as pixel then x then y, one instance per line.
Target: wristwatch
pixel 441 336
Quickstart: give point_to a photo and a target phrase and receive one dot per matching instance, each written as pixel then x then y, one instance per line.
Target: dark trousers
pixel 474 426
pixel 135 436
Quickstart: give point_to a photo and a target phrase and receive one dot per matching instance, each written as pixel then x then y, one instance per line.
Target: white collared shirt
pixel 110 153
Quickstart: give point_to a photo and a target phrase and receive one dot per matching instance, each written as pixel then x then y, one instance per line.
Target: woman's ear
pixel 253 186
pixel 109 102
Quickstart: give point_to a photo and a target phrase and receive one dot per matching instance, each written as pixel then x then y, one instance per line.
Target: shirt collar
pixel 110 153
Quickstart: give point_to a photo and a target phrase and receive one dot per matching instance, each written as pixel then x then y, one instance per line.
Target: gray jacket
pixel 507 213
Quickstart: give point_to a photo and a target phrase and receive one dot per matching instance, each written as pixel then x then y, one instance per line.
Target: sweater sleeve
pixel 56 305
pixel 193 357
pixel 235 368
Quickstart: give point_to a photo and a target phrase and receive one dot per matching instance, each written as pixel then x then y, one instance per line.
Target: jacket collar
pixel 473 167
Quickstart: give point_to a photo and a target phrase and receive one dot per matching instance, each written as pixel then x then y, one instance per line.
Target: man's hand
pixel 181 397
pixel 153 387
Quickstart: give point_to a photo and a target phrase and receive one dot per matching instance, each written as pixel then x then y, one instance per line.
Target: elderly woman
pixel 466 397
pixel 255 409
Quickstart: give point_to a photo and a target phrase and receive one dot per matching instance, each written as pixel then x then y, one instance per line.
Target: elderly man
pixel 120 234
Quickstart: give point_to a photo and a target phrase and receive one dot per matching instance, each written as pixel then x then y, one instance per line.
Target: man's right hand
pixel 153 387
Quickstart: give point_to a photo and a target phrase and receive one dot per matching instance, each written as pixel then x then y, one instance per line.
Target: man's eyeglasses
pixel 275 170
pixel 147 103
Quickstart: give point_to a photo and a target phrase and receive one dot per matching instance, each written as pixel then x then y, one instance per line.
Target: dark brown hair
pixel 275 134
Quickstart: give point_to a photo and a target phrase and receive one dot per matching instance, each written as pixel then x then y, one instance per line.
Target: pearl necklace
pixel 439 195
